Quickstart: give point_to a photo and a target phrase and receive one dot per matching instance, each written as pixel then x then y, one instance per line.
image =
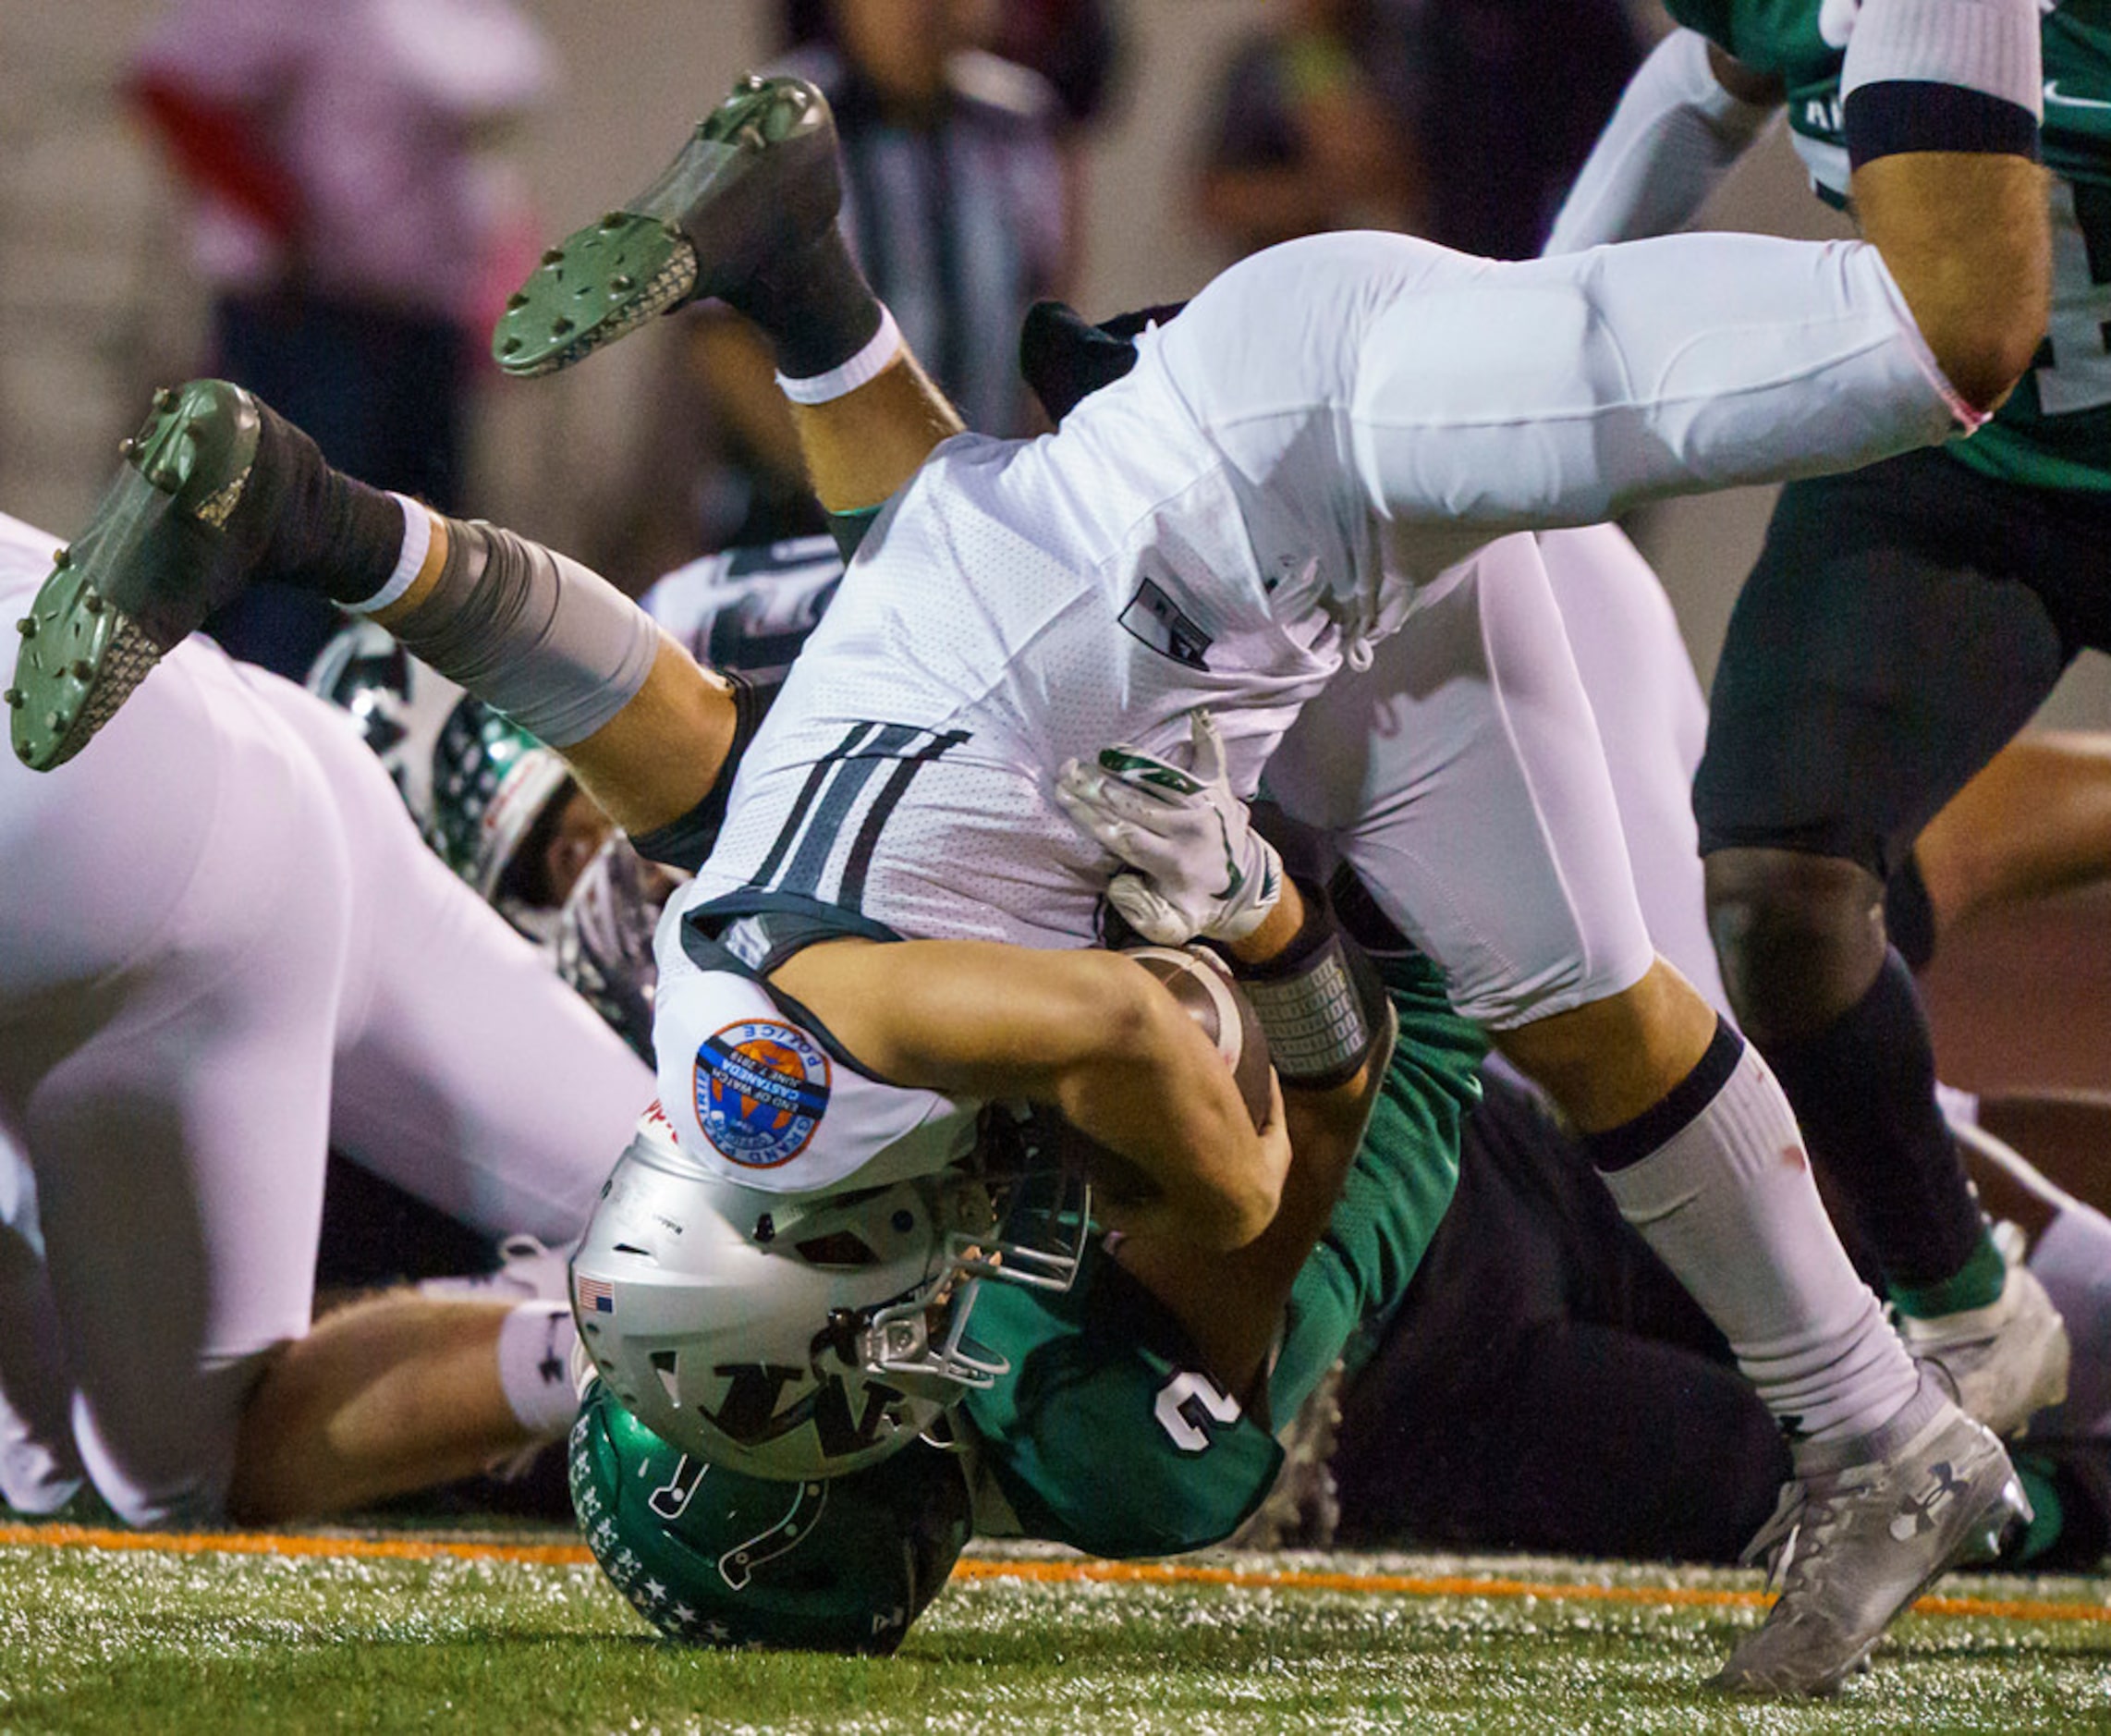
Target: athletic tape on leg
pixel 553 646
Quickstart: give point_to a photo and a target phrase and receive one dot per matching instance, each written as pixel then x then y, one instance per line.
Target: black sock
pixel 1863 1090
pixel 320 530
pixel 814 306
pixel 1909 914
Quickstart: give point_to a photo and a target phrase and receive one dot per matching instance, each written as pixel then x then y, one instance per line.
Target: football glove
pixel 1198 867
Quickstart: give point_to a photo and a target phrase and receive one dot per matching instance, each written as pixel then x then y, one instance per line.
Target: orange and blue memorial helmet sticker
pixel 762 1088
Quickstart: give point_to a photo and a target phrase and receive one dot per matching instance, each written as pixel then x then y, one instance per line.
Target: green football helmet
pixel 491 782
pixel 711 1557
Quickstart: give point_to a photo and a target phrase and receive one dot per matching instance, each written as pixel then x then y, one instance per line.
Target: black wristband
pixel 1319 1000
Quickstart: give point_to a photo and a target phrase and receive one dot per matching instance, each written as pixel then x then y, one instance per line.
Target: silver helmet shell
pixel 789 1336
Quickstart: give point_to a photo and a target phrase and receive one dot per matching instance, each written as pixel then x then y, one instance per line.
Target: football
pixel 1202 984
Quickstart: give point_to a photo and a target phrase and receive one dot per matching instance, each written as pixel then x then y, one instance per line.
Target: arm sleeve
pixel 1670 141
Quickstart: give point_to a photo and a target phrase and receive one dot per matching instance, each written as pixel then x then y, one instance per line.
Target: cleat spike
pixel 27 626
pixel 757 176
pixel 164 398
pixel 127 446
pixel 62 556
pixel 83 670
pixel 92 603
pixel 513 303
pixel 12 698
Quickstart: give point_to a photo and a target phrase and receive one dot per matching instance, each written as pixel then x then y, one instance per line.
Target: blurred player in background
pixel 329 145
pixel 1902 624
pixel 224 947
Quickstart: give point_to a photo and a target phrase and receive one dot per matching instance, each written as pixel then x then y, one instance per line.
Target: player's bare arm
pixel 1177 829
pixel 1967 239
pixel 1232 1304
pixel 1089 1032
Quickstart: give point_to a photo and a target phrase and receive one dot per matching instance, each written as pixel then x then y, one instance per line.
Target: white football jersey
pixel 1329 429
pixel 1021 604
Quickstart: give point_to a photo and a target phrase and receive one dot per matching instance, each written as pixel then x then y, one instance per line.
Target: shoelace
pixel 1792 1540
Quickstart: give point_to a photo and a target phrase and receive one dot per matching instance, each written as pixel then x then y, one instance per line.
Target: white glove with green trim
pixel 1200 867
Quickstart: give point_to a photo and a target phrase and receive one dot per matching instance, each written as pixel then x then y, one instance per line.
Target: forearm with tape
pixel 1319 1001
pixel 531 632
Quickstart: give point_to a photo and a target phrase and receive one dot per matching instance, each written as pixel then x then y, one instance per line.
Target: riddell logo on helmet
pixel 762 1088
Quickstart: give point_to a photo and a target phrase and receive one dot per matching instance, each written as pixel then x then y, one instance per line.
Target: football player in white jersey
pixel 1327 443
pixel 224 947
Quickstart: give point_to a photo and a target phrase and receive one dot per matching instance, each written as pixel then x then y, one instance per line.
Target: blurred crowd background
pixel 328 198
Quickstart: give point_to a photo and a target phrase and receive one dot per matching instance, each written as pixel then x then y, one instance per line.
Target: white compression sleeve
pixel 1672 139
pixel 1991 46
pixel 1566 390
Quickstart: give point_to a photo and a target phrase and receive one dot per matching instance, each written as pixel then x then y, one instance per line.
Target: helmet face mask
pixel 788 1336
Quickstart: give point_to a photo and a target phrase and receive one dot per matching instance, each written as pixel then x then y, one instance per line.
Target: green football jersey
pixel 2055 431
pixel 1107 1434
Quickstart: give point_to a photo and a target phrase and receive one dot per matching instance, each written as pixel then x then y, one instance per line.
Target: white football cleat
pixel 1847 1548
pixel 2005 1361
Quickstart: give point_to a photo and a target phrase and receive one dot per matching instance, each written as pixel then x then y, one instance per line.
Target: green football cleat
pixel 757 177
pixel 152 563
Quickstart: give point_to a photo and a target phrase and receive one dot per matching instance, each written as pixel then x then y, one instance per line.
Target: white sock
pixel 1728 1204
pixel 409 559
pixel 535 1367
pixel 862 368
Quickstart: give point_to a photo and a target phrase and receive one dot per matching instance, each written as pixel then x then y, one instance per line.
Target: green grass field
pixel 156 1640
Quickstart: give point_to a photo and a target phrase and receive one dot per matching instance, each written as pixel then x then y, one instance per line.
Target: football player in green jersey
pixel 1110 1434
pixel 1902 624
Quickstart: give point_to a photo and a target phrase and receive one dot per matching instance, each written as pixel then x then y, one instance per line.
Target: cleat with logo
pixel 1848 1548
pixel 757 178
pixel 152 563
pixel 2004 1362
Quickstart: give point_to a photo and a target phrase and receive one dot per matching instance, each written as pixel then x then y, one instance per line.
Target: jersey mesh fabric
pixel 905 771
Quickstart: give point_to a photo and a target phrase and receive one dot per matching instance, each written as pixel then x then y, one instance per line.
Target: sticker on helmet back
pixel 762 1088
